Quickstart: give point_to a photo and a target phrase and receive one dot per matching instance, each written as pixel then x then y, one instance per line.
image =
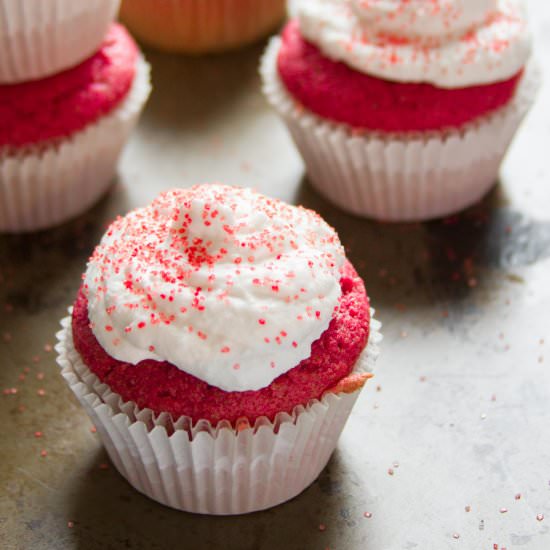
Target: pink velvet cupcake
pixel 40 38
pixel 402 110
pixel 201 26
pixel 61 136
pixel 218 342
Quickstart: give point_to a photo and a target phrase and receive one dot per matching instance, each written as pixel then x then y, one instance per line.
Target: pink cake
pixel 56 107
pixel 61 137
pixel 162 387
pixel 333 90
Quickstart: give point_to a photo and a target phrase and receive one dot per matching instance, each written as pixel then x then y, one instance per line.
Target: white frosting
pixel 448 43
pixel 227 284
pixel 421 18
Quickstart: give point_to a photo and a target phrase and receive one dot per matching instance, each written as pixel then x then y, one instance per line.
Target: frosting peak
pixel 226 284
pixel 448 43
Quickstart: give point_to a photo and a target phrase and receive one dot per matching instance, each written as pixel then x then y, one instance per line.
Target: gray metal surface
pixel 448 447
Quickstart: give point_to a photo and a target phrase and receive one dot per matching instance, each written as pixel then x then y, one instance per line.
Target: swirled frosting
pixel 228 285
pixel 447 43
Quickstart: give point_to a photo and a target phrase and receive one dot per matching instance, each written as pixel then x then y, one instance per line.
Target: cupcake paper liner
pixel 42 37
pixel 399 177
pixel 200 26
pixel 47 185
pixel 213 469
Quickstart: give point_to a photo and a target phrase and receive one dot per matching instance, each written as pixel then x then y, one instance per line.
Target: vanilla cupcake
pixel 218 342
pixel 41 37
pixel 402 110
pixel 201 26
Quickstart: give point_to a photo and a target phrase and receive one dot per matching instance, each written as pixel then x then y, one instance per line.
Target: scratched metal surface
pixel 459 409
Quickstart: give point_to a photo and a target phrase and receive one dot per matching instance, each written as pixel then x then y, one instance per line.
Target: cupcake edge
pixel 46 185
pixel 204 27
pixel 33 47
pixel 399 177
pixel 209 469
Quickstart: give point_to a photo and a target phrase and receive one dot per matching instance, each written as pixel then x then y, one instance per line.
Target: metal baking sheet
pixel 448 447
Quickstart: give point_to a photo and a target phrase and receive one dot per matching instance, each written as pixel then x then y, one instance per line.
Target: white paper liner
pixel 43 188
pixel 399 178
pixel 43 37
pixel 201 26
pixel 213 470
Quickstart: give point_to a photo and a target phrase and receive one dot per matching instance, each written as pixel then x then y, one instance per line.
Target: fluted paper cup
pixel 213 469
pixel 44 186
pixel 42 37
pixel 200 26
pixel 396 177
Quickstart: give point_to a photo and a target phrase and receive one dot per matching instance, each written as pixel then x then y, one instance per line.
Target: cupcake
pixel 201 26
pixel 61 136
pixel 40 38
pixel 218 343
pixel 402 110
